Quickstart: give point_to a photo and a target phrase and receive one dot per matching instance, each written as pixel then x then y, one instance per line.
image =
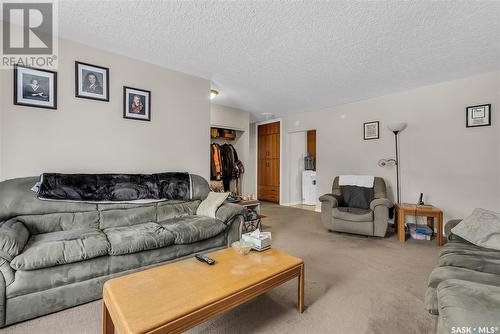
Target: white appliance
pixel 309 187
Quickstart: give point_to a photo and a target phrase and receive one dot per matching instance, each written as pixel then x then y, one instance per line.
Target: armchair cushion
pixel 13 237
pixel 357 197
pixel 380 201
pixel 353 214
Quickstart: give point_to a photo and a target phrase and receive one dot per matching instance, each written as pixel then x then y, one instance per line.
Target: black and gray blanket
pixel 115 187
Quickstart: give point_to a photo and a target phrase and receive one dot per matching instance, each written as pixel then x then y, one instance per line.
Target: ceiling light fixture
pixel 213 93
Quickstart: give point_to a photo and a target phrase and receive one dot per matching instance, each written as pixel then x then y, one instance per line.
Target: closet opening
pixel 226 168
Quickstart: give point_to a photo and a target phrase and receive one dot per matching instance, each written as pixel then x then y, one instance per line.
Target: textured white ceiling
pixel 283 57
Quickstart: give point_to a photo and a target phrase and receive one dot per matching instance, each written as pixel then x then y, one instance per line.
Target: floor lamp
pixel 396 128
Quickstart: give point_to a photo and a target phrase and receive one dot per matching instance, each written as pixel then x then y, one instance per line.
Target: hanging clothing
pixel 216 164
pixel 225 164
pixel 227 157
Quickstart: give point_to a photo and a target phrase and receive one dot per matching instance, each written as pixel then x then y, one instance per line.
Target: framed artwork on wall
pixel 136 104
pixel 35 87
pixel 479 115
pixel 370 130
pixel 91 82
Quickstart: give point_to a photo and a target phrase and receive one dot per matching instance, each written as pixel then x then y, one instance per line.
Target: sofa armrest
pixel 13 237
pixel 234 230
pixel 380 220
pixel 448 226
pixel 7 275
pixel 380 201
pixel 330 200
pixel 227 211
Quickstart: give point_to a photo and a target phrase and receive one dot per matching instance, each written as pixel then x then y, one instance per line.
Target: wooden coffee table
pixel 175 297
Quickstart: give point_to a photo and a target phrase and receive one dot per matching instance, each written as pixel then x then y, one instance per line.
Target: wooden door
pixel 268 164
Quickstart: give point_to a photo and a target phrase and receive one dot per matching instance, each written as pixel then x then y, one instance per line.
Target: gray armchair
pixel 358 210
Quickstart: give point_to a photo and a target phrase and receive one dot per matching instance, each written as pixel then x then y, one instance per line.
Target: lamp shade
pixel 397 127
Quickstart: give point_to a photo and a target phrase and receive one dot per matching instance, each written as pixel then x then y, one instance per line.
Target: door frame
pixel 257 155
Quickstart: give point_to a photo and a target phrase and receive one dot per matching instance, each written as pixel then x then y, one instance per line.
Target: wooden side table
pixel 250 225
pixel 432 213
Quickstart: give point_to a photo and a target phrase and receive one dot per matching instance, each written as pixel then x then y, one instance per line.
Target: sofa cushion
pixel 194 228
pixel 29 281
pixel 126 215
pixel 352 214
pixel 173 209
pixel 13 237
pixel 467 304
pixel 464 248
pixel 17 199
pixel 60 221
pixel 137 238
pixel 469 256
pixel 441 274
pixel 357 197
pixel 51 249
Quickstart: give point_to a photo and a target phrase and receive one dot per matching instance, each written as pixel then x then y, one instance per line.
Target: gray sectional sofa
pixel 54 255
pixel 464 289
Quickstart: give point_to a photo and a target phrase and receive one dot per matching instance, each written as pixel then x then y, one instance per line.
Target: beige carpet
pixel 354 284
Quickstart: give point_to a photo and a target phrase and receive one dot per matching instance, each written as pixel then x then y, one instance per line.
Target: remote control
pixel 203 258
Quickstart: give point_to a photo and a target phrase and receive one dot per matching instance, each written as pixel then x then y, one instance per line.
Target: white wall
pixel 251 169
pixel 457 168
pixel 237 119
pixel 2 106
pixel 297 142
pixel 91 136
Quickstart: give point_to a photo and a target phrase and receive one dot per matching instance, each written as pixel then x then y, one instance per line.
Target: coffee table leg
pixel 301 289
pixel 107 322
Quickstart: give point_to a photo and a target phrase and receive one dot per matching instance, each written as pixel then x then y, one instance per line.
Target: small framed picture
pixel 478 115
pixel 91 81
pixel 136 104
pixel 35 87
pixel 370 130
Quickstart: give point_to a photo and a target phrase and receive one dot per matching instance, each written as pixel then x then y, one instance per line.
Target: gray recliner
pixel 357 210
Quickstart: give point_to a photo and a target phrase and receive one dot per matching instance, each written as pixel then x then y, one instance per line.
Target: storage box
pixel 418 236
pixel 258 240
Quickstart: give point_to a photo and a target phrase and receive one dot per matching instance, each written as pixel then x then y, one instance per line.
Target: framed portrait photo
pixel 91 81
pixel 478 115
pixel 370 130
pixel 136 104
pixel 35 87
